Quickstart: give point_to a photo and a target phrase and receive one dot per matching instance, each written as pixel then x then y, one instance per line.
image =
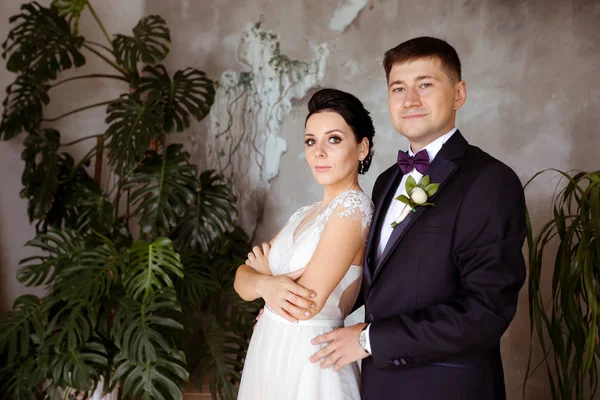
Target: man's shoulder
pixel 483 167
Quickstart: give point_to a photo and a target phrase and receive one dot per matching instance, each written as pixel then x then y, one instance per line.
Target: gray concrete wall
pixel 531 69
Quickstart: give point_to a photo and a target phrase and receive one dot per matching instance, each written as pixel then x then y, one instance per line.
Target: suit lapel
pixel 380 210
pixel 440 171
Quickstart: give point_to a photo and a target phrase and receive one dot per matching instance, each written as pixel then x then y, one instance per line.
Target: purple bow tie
pixel 420 161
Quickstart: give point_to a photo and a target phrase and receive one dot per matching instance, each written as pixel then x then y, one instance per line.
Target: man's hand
pixel 285 297
pixel 258 259
pixel 342 349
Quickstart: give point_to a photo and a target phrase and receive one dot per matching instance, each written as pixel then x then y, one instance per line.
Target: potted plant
pixel 567 322
pixel 138 272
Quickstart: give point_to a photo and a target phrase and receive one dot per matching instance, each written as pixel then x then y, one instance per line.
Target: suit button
pixel 370 318
pixel 391 363
pixel 403 361
pixel 397 363
pixel 368 260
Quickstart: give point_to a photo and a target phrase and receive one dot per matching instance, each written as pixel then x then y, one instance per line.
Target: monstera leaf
pixel 19 326
pixel 80 367
pixel 148 44
pixel 41 171
pixel 23 107
pixel 71 10
pixel 221 354
pixel 22 381
pixel 149 266
pixel 198 285
pixel 166 187
pixel 140 329
pixel 91 278
pixel 190 92
pixel 41 45
pixel 162 379
pixel 133 124
pixel 211 215
pixel 63 248
pixel 78 202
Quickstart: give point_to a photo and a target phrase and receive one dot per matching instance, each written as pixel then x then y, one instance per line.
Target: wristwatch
pixel 362 339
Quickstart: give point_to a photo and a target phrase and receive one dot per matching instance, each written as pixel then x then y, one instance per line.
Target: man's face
pixel 423 100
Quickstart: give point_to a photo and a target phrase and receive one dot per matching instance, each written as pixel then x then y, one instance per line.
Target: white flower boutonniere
pixel 418 194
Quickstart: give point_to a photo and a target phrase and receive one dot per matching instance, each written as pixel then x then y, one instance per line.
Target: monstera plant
pixel 567 321
pixel 138 273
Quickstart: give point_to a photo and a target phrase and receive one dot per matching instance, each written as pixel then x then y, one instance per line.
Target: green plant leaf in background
pixel 151 381
pixel 570 320
pixel 23 107
pixel 63 247
pixel 190 92
pixel 149 267
pixel 133 124
pixel 149 43
pixel 39 177
pixel 141 328
pixel 41 45
pixel 78 367
pixel 166 187
pixel 71 10
pixel 211 215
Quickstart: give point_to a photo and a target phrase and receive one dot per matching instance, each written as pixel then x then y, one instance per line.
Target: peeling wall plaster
pixel 345 14
pixel 244 140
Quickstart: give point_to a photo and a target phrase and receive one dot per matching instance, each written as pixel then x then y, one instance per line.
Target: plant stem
pixel 99 22
pixel 98 166
pixel 77 110
pixel 81 140
pixel 102 56
pixel 99 45
pixel 117 77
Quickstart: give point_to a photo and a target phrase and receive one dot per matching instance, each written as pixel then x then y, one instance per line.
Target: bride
pixel 309 275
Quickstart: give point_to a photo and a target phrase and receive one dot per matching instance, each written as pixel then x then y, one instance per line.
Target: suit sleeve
pixel 487 250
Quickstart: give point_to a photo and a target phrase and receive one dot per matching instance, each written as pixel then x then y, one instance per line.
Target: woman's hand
pixel 258 259
pixel 286 297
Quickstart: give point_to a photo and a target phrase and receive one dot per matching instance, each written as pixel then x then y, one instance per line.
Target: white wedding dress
pixel 277 366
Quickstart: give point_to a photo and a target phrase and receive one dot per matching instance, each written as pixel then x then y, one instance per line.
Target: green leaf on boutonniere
pixel 404 200
pixel 410 184
pixel 427 204
pixel 424 182
pixel 431 189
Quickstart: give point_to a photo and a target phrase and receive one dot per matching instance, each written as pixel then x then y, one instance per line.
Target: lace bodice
pixel 296 243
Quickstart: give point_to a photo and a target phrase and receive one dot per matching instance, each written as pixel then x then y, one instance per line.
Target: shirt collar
pixel 434 147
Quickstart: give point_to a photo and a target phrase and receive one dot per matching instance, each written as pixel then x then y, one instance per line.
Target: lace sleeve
pixel 353 204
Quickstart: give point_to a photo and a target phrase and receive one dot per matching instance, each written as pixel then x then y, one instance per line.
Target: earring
pixel 361 170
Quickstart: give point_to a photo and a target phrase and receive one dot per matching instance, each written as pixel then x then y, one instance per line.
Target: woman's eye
pixel 309 142
pixel 334 140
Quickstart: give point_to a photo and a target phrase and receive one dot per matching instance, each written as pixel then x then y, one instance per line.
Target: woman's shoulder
pixel 352 202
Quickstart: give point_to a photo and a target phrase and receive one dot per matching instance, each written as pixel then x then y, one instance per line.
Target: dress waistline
pixel 311 322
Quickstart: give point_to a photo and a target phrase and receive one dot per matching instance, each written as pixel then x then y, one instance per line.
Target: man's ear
pixel 460 94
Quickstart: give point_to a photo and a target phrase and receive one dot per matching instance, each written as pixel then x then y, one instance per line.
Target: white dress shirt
pixel 396 206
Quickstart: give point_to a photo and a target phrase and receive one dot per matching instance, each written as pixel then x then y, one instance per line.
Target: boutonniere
pixel 418 194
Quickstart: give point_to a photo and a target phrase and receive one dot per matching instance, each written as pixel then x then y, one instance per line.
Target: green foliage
pixel 189 93
pixel 113 308
pixel 149 43
pixel 166 187
pixel 567 324
pixel 133 123
pixel 23 107
pixel 41 45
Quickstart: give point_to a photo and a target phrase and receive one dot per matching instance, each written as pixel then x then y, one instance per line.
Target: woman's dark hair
pixel 352 110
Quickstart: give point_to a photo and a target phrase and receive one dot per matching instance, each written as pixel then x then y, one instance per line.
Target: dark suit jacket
pixel 446 287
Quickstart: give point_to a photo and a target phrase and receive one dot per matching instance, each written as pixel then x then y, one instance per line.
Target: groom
pixel 441 288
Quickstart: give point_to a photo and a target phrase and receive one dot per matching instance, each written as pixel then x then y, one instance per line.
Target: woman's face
pixel 331 149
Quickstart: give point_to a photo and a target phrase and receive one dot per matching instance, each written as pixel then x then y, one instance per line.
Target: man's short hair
pixel 424 47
